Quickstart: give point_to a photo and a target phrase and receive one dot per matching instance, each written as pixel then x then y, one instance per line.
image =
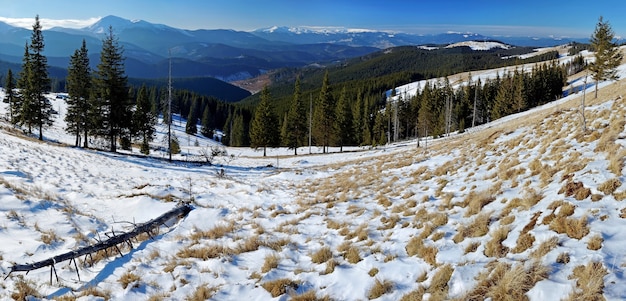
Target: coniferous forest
pixel 347 103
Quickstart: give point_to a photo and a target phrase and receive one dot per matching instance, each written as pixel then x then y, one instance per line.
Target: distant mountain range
pixel 225 54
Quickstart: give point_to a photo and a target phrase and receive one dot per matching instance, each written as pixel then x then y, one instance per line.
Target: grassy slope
pixel 531 207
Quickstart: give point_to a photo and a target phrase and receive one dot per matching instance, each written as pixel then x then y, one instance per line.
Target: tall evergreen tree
pixel 343 120
pixel 264 126
pixel 607 53
pixel 324 116
pixel 79 89
pixel 191 127
pixel 112 91
pixel 10 96
pixel 206 130
pixel 296 125
pixel 144 119
pixel 36 108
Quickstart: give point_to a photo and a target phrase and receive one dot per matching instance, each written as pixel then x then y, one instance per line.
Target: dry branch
pixel 113 241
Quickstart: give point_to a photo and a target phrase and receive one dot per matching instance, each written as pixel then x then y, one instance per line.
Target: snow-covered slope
pixel 480 45
pixel 529 200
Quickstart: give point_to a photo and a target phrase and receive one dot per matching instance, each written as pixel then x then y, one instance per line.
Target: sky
pixel 516 18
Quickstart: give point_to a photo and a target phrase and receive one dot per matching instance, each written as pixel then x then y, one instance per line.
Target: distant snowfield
pixel 369 201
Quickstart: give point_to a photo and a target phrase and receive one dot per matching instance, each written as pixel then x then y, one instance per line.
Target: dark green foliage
pixel 10 96
pixel 206 129
pixel 344 120
pixel 144 120
pixel 264 127
pixel 34 82
pixel 324 116
pixel 191 127
pixel 607 53
pixel 295 127
pixel 79 88
pixel 111 93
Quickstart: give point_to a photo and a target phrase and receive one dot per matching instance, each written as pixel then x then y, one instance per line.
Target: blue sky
pixel 518 18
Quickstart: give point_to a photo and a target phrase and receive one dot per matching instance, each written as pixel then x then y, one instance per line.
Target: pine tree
pixel 343 120
pixel 112 92
pixel 23 107
pixel 191 127
pixel 144 119
pixel 295 125
pixel 264 126
pixel 206 130
pixel 36 108
pixel 79 89
pixel 239 137
pixel 608 55
pixel 10 96
pixel 324 116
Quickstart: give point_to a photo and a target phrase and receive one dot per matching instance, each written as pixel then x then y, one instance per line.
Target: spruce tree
pixel 206 130
pixel 191 127
pixel 324 116
pixel 10 96
pixel 144 119
pixel 343 120
pixel 36 108
pixel 296 125
pixel 264 126
pixel 79 89
pixel 608 55
pixel 112 92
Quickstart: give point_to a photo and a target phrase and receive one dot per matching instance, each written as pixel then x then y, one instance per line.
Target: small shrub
pixel 494 247
pixel 589 281
pixel 472 247
pixel 563 258
pixel 352 255
pixel 595 242
pixel 279 287
pixel 24 289
pixel 129 278
pixel 477 227
pixel 271 262
pixel 373 272
pixel 574 228
pixel 524 242
pixel 203 292
pixel 610 186
pixel 415 295
pixel 380 288
pixel 322 255
pixel 476 201
pixel 439 283
pixel 545 247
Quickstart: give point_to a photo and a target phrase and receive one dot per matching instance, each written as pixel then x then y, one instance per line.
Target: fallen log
pixel 113 241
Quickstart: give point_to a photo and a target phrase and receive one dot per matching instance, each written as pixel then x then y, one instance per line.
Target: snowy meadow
pixel 527 207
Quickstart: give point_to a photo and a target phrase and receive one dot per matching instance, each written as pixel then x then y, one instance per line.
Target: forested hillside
pixel 363 84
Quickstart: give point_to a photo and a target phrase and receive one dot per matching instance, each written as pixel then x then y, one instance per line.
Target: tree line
pixel 340 119
pixel 102 108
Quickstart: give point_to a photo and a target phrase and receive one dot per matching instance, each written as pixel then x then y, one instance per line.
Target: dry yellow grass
pixel 501 281
pixel 544 248
pixel 475 201
pixel 574 228
pixel 610 186
pixel 439 283
pixel 494 247
pixel 129 278
pixel 379 288
pixel 322 255
pixel 270 262
pixel 479 226
pixel 595 242
pixel 416 247
pixel 279 287
pixel 589 282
